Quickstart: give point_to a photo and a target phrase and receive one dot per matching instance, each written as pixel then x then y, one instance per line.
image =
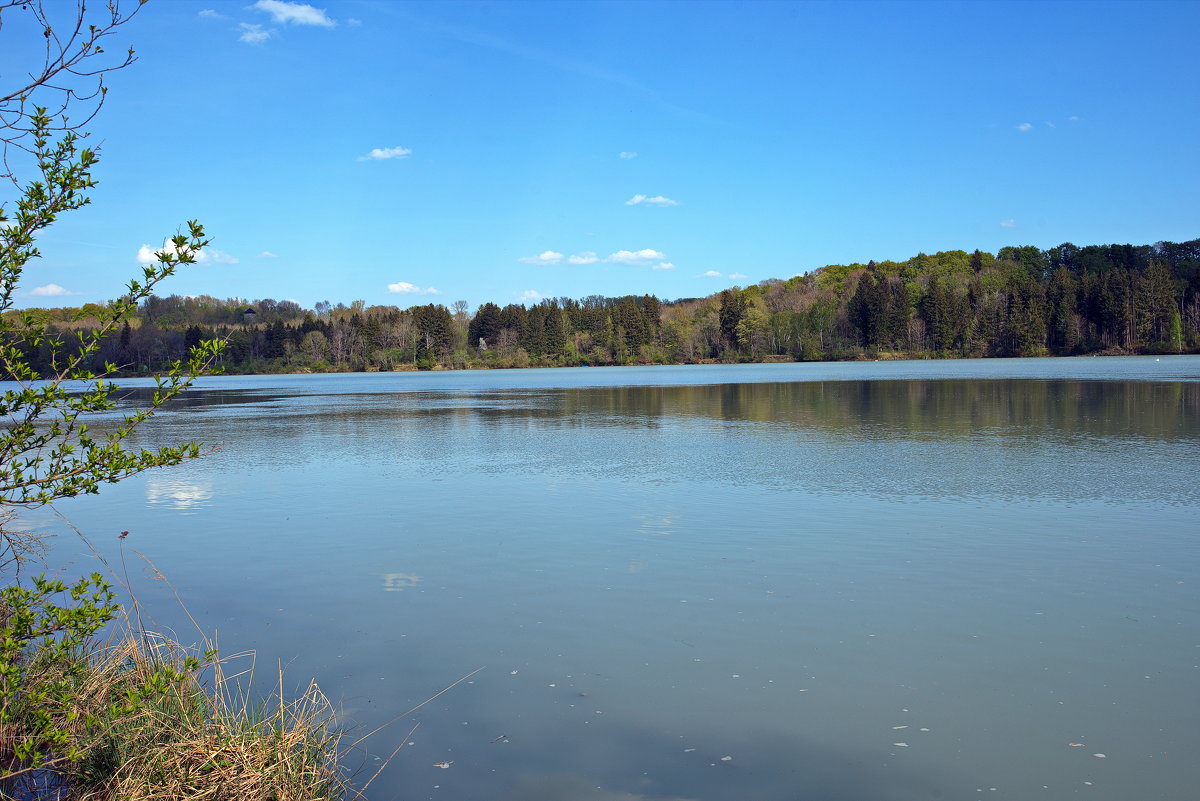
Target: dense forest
pixel 1022 301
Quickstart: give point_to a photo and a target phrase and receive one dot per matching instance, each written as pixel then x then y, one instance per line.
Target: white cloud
pixel 1008 223
pixel 381 153
pixel 50 291
pixel 1073 118
pixel 1025 126
pixel 545 257
pixel 266 254
pixel 636 257
pixel 710 274
pixel 405 288
pixel 208 13
pixel 294 13
pixel 738 276
pixel 352 22
pixel 627 154
pixel 531 294
pixel 253 33
pixel 146 255
pixel 1050 124
pixel 657 200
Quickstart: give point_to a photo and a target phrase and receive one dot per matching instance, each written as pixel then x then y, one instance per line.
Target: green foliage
pixel 40 668
pixel 140 717
pixel 133 717
pixel 49 707
pixel 47 449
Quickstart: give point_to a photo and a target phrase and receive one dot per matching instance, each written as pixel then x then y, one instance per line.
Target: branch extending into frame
pixel 72 67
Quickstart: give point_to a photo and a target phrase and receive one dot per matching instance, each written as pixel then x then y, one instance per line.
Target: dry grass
pixel 148 721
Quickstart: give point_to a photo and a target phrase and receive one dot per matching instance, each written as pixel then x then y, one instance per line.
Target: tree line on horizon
pixel 1021 301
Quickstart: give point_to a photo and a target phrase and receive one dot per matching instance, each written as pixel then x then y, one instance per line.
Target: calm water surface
pixel 846 582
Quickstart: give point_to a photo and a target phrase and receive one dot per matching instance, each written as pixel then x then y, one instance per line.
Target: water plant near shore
pixel 138 716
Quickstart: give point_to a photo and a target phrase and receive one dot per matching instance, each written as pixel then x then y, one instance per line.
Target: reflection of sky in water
pixel 397 582
pixel 178 493
pixel 657 523
pixel 658 577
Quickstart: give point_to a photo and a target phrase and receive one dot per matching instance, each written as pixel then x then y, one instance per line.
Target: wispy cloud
pixel 1073 118
pixel 657 200
pixel 636 256
pixel 384 153
pixel 208 13
pixel 738 276
pixel 710 274
pixel 219 256
pixel 1008 223
pixel 1050 124
pixel 627 154
pixel 50 291
pixel 285 13
pixel 266 254
pixel 551 57
pixel 252 33
pixel 146 255
pixel 545 257
pixel 1025 126
pixel 405 288
pixel 531 294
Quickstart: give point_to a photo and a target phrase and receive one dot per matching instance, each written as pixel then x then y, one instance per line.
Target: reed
pixel 148 719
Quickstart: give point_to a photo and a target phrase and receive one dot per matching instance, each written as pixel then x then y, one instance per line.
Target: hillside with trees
pixel 1021 301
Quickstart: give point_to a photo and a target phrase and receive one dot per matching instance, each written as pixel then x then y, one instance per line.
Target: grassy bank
pixel 137 716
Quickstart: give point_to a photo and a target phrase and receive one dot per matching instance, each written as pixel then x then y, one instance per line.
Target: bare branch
pixel 71 69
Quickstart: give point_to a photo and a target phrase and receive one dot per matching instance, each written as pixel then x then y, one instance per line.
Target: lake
pixel 839 582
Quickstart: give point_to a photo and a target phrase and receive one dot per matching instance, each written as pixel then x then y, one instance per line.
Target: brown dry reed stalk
pixel 148 723
pixel 150 719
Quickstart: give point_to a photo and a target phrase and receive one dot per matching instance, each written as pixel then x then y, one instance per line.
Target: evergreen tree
pixel 733 305
pixel 1061 297
pixel 484 325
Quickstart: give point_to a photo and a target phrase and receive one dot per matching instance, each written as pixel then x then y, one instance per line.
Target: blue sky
pixel 407 153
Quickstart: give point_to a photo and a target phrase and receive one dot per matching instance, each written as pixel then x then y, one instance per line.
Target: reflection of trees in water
pixel 873 409
pixel 942 438
pixel 902 408
pixel 882 409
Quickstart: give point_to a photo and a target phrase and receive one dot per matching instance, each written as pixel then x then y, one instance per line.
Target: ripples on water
pixel 861 582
